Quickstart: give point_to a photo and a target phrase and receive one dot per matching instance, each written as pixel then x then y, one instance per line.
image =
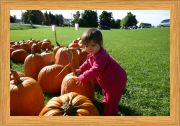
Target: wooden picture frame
pixel 172 5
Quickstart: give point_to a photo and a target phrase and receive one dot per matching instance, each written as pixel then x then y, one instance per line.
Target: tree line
pixel 88 18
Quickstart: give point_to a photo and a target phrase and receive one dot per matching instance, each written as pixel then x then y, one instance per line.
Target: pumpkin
pixel 46 45
pixel 70 84
pixel 11 50
pixel 48 57
pixel 35 48
pixel 32 65
pixel 82 55
pixel 26 97
pixel 65 55
pixel 71 104
pixel 16 46
pixel 50 77
pixel 75 44
pixel 19 55
pixel 56 48
pixel 26 47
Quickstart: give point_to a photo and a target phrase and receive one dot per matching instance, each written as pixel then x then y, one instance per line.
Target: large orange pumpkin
pixel 65 55
pixel 50 77
pixel 70 84
pixel 71 104
pixel 32 65
pixel 48 57
pixel 26 97
pixel 35 48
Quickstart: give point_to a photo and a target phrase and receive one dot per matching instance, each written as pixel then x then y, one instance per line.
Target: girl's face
pixel 92 47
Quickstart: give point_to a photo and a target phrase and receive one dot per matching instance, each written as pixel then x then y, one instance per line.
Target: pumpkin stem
pixel 57 44
pixel 68 109
pixel 16 77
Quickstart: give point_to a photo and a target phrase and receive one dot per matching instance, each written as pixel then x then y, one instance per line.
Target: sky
pixel 146 16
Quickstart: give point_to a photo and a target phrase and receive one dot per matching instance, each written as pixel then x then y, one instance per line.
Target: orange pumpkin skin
pixel 19 55
pixel 71 104
pixel 50 78
pixel 69 85
pixel 26 47
pixel 65 55
pixel 46 45
pixel 48 58
pixel 32 65
pixel 82 55
pixel 26 97
pixel 36 48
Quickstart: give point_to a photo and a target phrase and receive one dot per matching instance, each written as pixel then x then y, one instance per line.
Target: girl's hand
pixel 78 82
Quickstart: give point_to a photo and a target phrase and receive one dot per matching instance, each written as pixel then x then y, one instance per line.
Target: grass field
pixel 143 53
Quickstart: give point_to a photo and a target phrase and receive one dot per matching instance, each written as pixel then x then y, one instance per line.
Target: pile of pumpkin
pixel 49 72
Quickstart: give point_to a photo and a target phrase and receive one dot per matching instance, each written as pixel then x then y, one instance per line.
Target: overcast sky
pixel 146 16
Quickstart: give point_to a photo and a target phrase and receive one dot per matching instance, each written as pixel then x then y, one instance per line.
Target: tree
pixel 115 23
pixel 129 21
pixel 32 16
pixel 12 19
pixel 105 19
pixel 76 17
pixel 89 19
pixel 59 20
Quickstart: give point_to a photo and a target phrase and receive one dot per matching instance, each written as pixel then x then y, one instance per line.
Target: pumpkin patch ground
pixel 144 53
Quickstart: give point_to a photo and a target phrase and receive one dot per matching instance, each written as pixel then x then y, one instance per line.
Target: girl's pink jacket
pixel 105 69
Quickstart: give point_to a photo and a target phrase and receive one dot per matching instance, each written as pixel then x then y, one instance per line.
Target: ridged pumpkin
pixel 19 55
pixel 26 97
pixel 32 65
pixel 26 47
pixel 65 55
pixel 71 104
pixel 48 57
pixel 50 77
pixel 69 84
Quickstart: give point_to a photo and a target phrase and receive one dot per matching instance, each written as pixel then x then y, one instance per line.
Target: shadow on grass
pixel 127 111
pixel 123 110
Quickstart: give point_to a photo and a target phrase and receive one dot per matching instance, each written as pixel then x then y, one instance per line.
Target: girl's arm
pixel 85 66
pixel 95 70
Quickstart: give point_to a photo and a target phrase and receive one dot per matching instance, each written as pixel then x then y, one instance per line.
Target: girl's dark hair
pixel 92 34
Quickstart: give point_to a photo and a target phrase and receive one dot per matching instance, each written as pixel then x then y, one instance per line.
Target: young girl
pixel 100 65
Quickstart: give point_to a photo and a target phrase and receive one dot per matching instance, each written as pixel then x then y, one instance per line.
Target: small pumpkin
pixel 19 55
pixel 26 97
pixel 46 45
pixel 35 48
pixel 70 84
pixel 70 104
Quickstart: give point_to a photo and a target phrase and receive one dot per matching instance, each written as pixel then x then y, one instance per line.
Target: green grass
pixel 143 53
pixel 16 26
